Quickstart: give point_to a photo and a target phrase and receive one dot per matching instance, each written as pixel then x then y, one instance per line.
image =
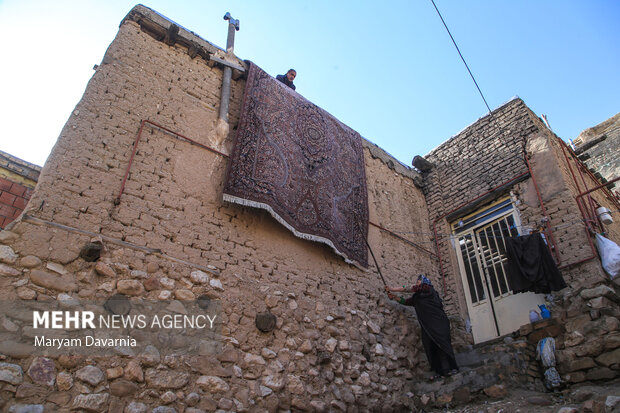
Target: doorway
pixel 479 240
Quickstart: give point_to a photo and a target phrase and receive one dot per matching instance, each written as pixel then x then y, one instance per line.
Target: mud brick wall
pixel 336 345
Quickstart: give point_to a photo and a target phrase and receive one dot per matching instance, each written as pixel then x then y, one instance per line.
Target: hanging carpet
pixel 302 165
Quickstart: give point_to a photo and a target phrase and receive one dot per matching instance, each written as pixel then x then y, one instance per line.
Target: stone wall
pixel 590 348
pixel 168 236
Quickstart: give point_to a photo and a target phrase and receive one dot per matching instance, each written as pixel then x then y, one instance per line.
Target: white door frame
pixel 478 239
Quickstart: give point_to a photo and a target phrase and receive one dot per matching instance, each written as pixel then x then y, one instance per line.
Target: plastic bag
pixel 545 352
pixel 552 378
pixel 610 255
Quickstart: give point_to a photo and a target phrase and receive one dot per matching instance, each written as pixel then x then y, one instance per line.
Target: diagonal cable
pixel 462 58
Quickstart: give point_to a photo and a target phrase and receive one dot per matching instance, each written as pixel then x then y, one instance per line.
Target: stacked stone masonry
pixel 589 341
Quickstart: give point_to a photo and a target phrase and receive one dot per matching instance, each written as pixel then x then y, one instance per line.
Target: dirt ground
pixel 584 397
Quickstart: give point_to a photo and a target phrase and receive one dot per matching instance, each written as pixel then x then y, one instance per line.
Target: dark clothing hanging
pixel 435 328
pixel 531 267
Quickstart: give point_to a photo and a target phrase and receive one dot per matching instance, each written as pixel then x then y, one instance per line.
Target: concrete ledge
pixel 19 167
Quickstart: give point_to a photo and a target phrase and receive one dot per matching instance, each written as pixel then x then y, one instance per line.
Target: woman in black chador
pixel 434 324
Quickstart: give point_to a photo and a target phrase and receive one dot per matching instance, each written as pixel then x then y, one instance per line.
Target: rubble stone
pixel 611 402
pixel 30 261
pixel 199 277
pixel 123 388
pixel 216 284
pixel 90 374
pixel 599 302
pixel 91 402
pixel 134 372
pixel 11 373
pixel 51 281
pixel 609 358
pixel 7 255
pixel 598 291
pixel 184 295
pixel 164 409
pixel 192 399
pixel 580 364
pixel 105 270
pixel 151 283
pixel 573 339
pixel 600 373
pixel 26 293
pixel 168 397
pixel 136 407
pixel 42 371
pixel 130 287
pixel 539 401
pixel 593 406
pixel 64 381
pixel 294 384
pixel 330 345
pixel 166 379
pixel 497 391
pixel 212 384
pixel 9 271
pixel 27 408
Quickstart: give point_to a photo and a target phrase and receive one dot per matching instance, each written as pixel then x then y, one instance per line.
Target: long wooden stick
pixel 376 264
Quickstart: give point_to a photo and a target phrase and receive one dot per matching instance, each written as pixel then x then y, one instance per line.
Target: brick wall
pixel 13 200
pixel 492 152
pixel 468 166
pixel 17 181
pixel 578 180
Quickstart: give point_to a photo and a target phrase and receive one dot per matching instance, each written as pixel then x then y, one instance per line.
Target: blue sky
pixel 388 70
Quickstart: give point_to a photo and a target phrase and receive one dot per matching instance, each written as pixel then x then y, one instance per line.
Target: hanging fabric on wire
pixel 531 267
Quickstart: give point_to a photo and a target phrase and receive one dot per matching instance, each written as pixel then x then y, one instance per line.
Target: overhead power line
pixel 462 58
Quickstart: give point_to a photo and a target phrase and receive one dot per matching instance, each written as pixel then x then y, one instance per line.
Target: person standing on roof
pixel 288 78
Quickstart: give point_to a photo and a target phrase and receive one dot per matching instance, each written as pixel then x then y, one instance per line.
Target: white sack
pixel 610 255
